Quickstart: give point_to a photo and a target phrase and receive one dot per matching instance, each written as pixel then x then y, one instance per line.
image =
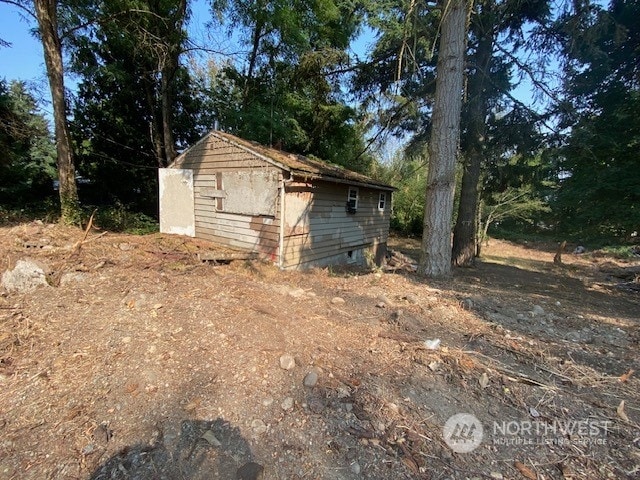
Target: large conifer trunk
pixel 48 24
pixel 465 231
pixel 445 139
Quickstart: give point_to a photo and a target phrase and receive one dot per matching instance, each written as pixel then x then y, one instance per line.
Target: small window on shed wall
pixel 352 200
pixel 382 201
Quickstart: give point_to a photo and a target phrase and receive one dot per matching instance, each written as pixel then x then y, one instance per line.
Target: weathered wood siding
pixel 213 160
pixel 319 231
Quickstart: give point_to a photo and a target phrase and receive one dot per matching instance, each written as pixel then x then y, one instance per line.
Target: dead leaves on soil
pixel 525 471
pixel 625 377
pixel 621 412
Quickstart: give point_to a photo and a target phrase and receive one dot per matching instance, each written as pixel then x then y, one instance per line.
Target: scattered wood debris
pixel 396 261
pixel 154 363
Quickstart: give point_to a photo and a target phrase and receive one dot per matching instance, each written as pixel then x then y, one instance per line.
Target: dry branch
pixel 557 259
pixel 76 246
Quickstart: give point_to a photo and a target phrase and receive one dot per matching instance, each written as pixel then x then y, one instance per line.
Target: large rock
pixel 26 276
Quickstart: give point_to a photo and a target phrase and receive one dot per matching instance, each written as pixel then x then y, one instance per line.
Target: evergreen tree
pixel 288 93
pixel 47 13
pixel 599 194
pixel 136 103
pixel 435 258
pixel 27 166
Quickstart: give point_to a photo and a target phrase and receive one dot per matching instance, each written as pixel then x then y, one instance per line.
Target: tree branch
pixel 526 69
pixel 21 6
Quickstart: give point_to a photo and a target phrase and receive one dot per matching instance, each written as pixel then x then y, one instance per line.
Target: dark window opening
pixel 352 200
pixel 382 201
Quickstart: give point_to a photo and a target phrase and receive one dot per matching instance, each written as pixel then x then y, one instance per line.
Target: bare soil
pixel 141 361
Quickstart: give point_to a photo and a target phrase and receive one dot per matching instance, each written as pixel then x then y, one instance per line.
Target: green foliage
pixel 621 251
pixel 522 206
pixel 118 218
pixel 117 115
pixel 27 163
pixel 516 190
pixel 409 176
pixel 289 95
pixel 47 210
pixel 396 84
pixel 400 81
pixel 599 195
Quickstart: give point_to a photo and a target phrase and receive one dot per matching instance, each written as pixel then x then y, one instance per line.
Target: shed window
pixel 382 201
pixel 352 200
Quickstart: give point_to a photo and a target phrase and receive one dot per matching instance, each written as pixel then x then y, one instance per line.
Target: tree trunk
pixel 482 230
pixel 46 13
pixel 465 231
pixel 253 58
pixel 255 45
pixel 155 126
pixel 557 259
pixel 166 98
pixel 168 73
pixel 443 148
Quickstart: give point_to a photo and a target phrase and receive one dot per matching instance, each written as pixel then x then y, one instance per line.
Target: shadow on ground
pixel 201 449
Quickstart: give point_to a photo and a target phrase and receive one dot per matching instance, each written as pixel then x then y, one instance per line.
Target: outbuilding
pixel 294 211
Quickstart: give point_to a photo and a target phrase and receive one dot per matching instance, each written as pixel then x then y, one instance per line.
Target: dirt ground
pixel 139 361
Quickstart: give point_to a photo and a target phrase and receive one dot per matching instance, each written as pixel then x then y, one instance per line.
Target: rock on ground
pixel 287 404
pixel 311 379
pixel 287 362
pixel 26 276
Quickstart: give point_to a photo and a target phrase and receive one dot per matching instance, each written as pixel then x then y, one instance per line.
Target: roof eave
pixel 345 181
pixel 287 168
pixel 252 152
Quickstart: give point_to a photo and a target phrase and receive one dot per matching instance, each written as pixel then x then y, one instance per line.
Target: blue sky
pixel 24 59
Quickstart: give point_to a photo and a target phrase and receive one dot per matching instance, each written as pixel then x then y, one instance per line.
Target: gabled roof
pixel 299 165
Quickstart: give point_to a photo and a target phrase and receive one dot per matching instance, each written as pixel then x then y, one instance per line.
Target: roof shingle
pixel 300 165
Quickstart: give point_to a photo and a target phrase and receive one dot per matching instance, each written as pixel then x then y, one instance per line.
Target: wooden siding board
pixel 293 257
pixel 265 229
pixel 212 235
pixel 229 236
pixel 330 230
pixel 325 229
pixel 208 160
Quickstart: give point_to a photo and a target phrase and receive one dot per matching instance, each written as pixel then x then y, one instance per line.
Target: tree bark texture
pixel 445 138
pixel 466 228
pixel 167 81
pixel 166 98
pixel 46 13
pixel 256 38
pixel 155 125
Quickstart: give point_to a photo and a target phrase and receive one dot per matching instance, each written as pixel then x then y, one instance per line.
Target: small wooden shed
pixel 292 210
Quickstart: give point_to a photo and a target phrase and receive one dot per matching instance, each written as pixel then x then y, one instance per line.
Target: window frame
pixel 382 201
pixel 355 199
